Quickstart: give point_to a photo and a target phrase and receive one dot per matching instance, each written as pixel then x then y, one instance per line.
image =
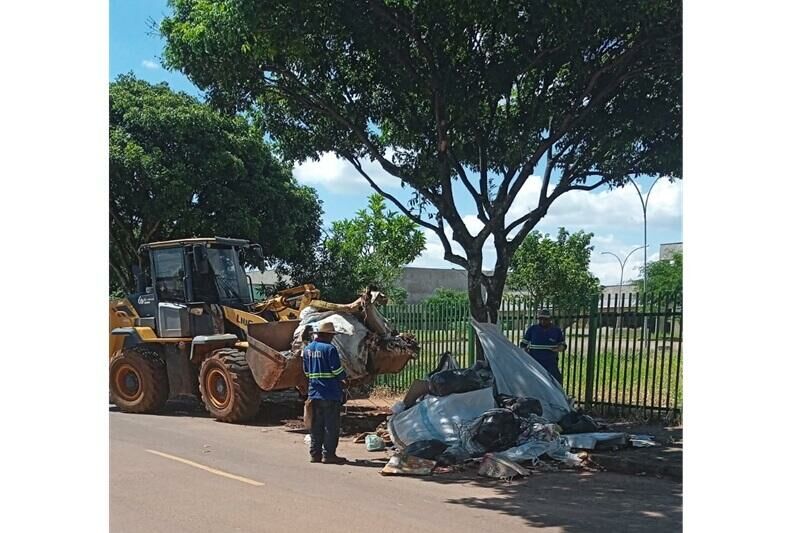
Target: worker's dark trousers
pixel 324 427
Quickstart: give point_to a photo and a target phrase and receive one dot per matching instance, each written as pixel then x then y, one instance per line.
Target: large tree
pixel 664 276
pixel 449 94
pixel 555 270
pixel 368 249
pixel 179 168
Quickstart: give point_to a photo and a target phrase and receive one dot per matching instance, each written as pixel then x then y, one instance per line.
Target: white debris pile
pixel 501 412
pixel 368 345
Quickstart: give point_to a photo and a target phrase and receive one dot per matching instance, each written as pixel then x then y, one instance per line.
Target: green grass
pixel 653 380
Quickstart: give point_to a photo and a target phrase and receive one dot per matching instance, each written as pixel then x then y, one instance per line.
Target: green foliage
pixel 443 93
pixel 664 277
pixel 555 270
pixel 369 249
pixel 179 168
pixel 448 298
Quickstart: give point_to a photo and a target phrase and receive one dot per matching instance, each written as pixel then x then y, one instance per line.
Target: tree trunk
pixel 485 309
pixel 477 305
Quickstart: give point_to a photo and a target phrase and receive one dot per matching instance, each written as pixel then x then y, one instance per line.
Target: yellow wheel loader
pixel 193 327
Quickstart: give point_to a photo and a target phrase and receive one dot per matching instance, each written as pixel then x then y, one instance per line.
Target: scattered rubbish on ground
pixel 500 468
pixel 402 464
pixel 374 443
pixel 575 422
pixel 598 441
pixel 379 431
pixel 307 440
pixel 426 449
pixel 643 441
pixel 499 414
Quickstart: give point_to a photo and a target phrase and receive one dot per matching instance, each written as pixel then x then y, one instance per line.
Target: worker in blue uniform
pixel 323 368
pixel 543 341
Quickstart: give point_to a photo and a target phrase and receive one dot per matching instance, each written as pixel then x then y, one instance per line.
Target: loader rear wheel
pixel 138 380
pixel 227 387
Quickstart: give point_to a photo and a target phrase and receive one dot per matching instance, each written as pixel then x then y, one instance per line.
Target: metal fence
pixel 623 357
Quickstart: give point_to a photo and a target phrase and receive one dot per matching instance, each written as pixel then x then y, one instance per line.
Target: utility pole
pixel 644 200
pixel 622 267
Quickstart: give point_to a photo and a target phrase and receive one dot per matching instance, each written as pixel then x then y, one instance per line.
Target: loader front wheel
pixel 227 387
pixel 138 380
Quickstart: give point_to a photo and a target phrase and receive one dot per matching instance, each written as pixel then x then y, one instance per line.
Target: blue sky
pixel 615 217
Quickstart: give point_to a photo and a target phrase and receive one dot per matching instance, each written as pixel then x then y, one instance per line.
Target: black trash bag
pixel 522 407
pixel 496 430
pixel 455 381
pixel 446 362
pixel 575 422
pixel 426 449
pixel 454 455
pixel 484 373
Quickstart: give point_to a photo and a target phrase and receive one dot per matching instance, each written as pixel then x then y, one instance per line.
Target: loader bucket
pixel 272 369
pixel 390 361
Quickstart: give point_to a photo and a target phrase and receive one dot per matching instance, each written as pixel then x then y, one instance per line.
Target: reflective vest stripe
pixel 321 375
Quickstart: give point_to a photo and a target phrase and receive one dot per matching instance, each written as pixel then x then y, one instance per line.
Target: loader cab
pixel 194 272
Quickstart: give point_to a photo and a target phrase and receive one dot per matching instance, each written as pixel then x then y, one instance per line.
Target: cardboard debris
pixel 500 468
pixel 406 465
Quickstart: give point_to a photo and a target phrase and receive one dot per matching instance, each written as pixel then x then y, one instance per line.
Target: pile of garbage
pixel 501 412
pixel 368 345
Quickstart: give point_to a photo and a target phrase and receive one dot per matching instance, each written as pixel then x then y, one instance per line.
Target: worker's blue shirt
pixel 324 371
pixel 552 336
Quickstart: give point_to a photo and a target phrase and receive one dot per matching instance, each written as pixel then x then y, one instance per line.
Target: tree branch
pixel 327 109
pixel 448 250
pixel 407 212
pixel 569 121
pixel 603 181
pixel 479 204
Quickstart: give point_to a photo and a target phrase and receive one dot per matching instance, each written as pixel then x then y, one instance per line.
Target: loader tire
pixel 227 387
pixel 138 380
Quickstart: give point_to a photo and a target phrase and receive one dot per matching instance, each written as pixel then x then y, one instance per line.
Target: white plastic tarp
pixel 518 374
pixel 439 417
pixel 351 343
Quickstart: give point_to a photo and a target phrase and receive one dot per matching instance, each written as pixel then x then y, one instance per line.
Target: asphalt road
pixel 186 473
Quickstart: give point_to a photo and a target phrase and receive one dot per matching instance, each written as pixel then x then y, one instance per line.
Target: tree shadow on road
pixel 578 500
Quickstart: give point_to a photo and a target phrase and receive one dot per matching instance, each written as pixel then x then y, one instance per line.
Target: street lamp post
pixel 622 268
pixel 644 200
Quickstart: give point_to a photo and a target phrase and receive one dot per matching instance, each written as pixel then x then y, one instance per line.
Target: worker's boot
pixel 316 459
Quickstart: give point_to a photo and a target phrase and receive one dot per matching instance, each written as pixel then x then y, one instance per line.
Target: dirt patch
pixel 360 419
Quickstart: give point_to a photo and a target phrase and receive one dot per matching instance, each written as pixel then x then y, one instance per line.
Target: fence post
pixel 591 353
pixel 470 342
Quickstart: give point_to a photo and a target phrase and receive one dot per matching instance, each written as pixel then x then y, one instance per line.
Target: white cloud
pixel 339 176
pixel 604 266
pixel 152 65
pixel 607 267
pixel 433 255
pixel 615 216
pixel 604 208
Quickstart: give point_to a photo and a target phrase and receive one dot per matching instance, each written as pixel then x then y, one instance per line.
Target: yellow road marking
pixel 208 468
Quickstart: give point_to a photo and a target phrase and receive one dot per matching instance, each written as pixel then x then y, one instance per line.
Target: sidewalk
pixel 664 461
